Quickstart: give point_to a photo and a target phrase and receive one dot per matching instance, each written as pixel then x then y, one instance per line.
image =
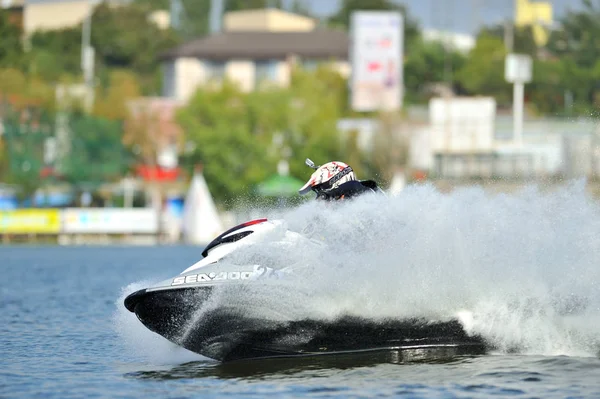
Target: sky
pixel 464 16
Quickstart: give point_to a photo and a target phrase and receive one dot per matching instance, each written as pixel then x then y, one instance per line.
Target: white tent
pixel 201 221
pixel 398 183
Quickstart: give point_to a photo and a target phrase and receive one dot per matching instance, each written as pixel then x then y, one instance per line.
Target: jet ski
pixel 181 309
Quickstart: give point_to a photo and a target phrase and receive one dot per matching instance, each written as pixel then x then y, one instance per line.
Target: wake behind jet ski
pixel 200 310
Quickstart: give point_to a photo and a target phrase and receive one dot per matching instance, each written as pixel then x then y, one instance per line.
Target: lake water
pixel 525 265
pixel 61 338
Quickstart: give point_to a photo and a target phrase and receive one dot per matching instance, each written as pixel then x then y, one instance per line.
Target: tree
pixel 523 41
pixel 4 167
pixel 11 50
pixel 576 44
pixel 111 103
pixel 25 128
pixel 579 36
pixel 123 37
pixel 231 148
pixel 194 20
pixel 150 127
pixel 429 62
pixel 96 154
pixel 483 73
pixel 240 137
pixel 297 7
pixel 237 5
pixel 19 91
pixel 55 53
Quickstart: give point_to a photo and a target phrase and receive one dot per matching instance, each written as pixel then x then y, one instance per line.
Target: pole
pixel 85 37
pixel 216 15
pixel 509 36
pixel 87 56
pixel 175 8
pixel 518 98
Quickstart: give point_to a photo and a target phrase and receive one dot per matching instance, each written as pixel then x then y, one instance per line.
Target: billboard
pixel 110 221
pixel 518 68
pixel 30 221
pixel 376 52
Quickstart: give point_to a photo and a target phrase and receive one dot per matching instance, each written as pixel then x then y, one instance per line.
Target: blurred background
pixel 145 121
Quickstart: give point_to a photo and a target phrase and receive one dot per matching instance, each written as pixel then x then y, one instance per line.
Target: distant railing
pixel 486 166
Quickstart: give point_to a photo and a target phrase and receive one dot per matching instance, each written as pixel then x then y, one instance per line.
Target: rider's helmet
pixel 327 177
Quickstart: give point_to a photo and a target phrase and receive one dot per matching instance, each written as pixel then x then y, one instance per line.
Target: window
pixel 215 70
pixel 310 64
pixel 169 79
pixel 265 71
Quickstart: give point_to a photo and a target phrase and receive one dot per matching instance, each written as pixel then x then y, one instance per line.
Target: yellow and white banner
pixel 30 221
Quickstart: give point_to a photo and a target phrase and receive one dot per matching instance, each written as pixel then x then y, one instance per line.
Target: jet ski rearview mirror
pixel 310 164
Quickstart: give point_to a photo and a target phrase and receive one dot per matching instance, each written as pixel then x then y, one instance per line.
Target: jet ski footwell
pixel 227 334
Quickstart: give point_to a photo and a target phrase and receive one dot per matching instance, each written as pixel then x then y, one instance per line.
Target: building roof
pixel 267 20
pixel 318 43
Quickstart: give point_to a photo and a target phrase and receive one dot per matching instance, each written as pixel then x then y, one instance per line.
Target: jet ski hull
pixel 227 334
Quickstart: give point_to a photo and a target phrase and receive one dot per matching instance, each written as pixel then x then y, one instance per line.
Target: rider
pixel 336 181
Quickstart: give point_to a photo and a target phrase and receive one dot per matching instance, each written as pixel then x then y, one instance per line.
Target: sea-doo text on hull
pixel 180 310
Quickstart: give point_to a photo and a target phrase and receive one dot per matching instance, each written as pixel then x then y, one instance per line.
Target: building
pixel 256 47
pixel 61 14
pixel 51 15
pixel 538 15
pixel 269 20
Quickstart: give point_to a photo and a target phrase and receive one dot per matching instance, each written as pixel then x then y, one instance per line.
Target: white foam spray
pixel 520 269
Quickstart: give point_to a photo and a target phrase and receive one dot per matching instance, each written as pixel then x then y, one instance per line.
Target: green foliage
pixel 4 166
pixel 236 5
pixel 576 46
pixel 298 7
pixel 483 74
pixel 546 89
pixel 24 134
pixel 20 91
pixel 11 50
pixel 426 63
pixel 231 148
pixel 158 4
pixel 523 40
pixel 55 53
pixel 96 154
pixel 579 36
pixel 314 104
pixel 195 14
pixel 123 37
pixel 240 137
pixel 111 102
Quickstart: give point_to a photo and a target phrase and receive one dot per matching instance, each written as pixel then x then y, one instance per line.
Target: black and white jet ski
pixel 180 310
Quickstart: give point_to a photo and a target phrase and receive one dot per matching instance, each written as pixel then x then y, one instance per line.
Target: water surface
pixel 59 339
pixel 522 268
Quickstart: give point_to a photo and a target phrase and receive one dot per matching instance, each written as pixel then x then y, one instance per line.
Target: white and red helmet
pixel 327 177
